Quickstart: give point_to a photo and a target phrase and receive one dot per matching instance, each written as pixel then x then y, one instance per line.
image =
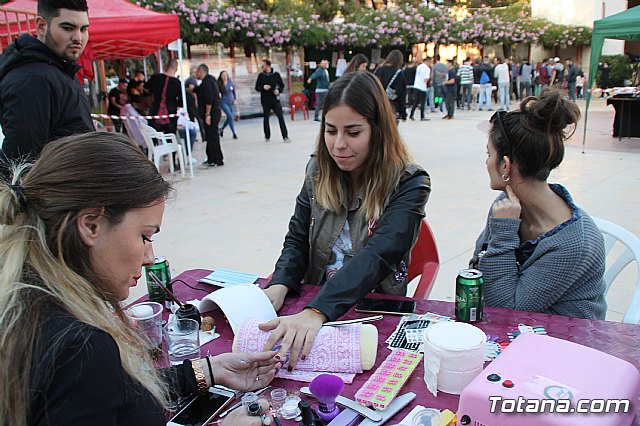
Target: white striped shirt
pixel 465 72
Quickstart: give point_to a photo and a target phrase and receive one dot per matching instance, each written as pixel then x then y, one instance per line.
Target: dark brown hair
pixel 50 9
pixel 355 62
pixel 96 169
pixel 536 133
pixel 221 86
pixel 388 154
pixel 394 59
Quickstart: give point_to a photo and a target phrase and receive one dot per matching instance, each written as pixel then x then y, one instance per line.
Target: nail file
pixel 346 402
pixel 396 405
pixel 353 321
pixel 347 417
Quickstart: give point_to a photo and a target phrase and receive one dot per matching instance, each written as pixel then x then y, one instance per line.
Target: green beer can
pixel 469 298
pixel 161 270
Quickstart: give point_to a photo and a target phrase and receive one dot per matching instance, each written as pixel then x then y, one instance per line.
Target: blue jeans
pixel 504 95
pixel 466 95
pixel 430 103
pixel 319 104
pixel 228 111
pixel 485 95
pixel 572 91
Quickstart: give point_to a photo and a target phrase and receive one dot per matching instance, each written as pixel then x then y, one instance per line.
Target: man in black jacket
pixel 270 85
pixel 572 78
pixel 209 110
pixel 485 73
pixel 40 97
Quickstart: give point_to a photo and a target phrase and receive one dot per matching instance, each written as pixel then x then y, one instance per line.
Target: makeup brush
pixel 166 290
pixel 326 387
pixel 186 310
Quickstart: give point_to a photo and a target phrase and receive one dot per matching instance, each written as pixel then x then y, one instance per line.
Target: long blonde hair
pixel 388 154
pixel 43 262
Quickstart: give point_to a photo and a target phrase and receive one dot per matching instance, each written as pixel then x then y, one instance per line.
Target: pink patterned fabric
pixel 308 376
pixel 335 350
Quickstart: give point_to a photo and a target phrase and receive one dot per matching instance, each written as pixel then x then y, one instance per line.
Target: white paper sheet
pixel 240 303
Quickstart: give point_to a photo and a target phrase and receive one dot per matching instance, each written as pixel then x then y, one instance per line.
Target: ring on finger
pixel 254 409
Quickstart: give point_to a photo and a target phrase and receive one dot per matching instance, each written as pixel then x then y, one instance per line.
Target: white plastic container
pixel 453 356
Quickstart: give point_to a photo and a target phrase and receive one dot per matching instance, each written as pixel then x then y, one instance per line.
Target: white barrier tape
pixel 616 90
pixel 133 117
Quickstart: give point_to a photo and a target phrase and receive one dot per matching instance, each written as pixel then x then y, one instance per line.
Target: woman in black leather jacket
pixel 356 218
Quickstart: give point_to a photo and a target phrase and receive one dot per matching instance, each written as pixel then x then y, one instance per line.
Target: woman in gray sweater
pixel 539 252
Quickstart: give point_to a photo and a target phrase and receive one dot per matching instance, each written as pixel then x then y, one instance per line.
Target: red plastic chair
pixel 424 261
pixel 298 101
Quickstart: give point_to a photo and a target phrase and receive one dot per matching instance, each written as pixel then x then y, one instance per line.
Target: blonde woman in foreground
pixel 77 228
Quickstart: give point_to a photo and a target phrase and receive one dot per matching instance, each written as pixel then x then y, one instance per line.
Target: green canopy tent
pixel 622 26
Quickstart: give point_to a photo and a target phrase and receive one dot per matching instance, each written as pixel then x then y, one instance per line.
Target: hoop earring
pixel 506 177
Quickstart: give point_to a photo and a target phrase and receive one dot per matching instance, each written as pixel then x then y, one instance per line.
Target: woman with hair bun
pixel 539 252
pixel 77 228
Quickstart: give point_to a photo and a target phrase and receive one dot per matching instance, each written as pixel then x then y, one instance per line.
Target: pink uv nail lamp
pixel 543 381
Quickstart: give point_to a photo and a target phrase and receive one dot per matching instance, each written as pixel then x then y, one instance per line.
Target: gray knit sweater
pixel 563 273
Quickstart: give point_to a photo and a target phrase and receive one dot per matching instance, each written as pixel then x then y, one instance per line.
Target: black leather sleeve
pixel 393 237
pixel 294 259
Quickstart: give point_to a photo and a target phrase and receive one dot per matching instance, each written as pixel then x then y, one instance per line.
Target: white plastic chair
pixel 168 145
pixel 100 127
pixel 612 233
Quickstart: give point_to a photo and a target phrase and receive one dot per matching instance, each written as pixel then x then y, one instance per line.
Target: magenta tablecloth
pixel 620 340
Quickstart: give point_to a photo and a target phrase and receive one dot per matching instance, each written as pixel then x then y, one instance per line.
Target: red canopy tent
pixel 13 23
pixel 118 29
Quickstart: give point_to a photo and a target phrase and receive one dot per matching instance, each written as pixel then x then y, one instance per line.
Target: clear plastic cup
pixel 278 396
pixel 146 318
pixel 426 417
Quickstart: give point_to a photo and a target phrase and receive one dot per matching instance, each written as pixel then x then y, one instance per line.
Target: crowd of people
pixel 73 243
pixel 433 84
pixel 206 99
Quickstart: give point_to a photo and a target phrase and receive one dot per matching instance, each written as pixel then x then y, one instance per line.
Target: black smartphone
pixel 386 306
pixel 202 409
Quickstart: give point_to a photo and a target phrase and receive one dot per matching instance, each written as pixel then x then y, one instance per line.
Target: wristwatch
pixel 200 379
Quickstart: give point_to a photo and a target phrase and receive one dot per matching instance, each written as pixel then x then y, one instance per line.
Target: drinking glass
pixel 183 340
